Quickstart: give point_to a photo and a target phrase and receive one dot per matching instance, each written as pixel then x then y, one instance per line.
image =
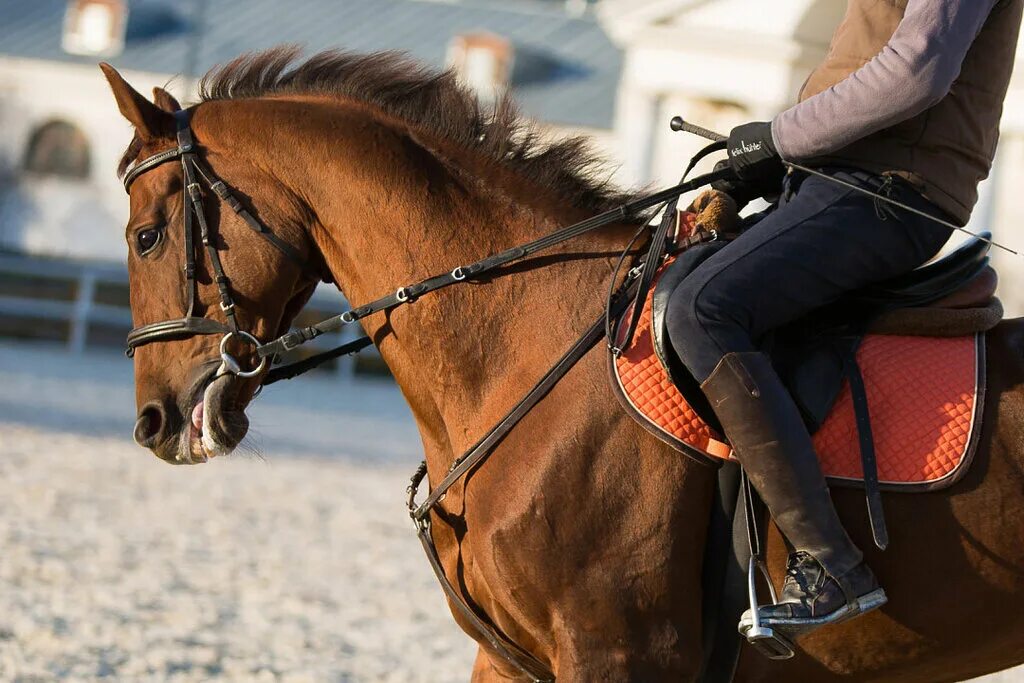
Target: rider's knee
pixel 686 327
pixel 700 326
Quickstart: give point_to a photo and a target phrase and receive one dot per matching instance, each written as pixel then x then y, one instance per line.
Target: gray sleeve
pixel 913 71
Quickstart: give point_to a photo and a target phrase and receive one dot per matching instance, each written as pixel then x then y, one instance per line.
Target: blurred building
pixel 61 135
pixel 616 70
pixel 63 210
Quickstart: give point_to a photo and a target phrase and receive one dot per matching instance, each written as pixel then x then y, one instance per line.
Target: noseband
pixel 195 170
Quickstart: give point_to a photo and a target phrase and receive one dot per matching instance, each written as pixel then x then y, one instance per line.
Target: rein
pixel 194 170
pixel 632 289
pixel 410 293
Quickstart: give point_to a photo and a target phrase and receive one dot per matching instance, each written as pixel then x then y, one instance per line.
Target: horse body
pixel 588 561
pixel 582 537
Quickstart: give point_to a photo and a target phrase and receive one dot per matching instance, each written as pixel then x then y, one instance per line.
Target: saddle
pixel 912 347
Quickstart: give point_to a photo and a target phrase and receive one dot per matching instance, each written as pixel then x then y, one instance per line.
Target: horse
pixel 581 538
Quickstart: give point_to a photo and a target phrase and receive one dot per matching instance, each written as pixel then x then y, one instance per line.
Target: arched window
pixel 59 149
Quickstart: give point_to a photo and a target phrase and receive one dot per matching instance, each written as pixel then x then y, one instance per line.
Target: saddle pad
pixel 924 395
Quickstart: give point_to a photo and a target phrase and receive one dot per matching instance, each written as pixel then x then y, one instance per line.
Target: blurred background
pixel 296 563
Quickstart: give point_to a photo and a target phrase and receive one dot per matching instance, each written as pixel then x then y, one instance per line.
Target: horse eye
pixel 147 239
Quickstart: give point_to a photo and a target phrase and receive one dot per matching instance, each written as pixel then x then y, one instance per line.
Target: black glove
pixel 744 192
pixel 752 153
pixel 752 157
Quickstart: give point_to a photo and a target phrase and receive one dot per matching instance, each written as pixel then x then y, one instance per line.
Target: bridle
pixel 195 170
pixel 632 288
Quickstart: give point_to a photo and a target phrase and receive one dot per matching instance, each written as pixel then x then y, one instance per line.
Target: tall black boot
pixel 827 580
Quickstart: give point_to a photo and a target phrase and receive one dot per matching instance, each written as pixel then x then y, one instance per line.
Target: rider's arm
pixel 913 72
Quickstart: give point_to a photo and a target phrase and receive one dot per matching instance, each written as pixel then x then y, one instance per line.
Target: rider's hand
pixel 743 192
pixel 752 153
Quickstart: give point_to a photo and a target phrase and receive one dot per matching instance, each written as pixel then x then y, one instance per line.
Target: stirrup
pixel 769 642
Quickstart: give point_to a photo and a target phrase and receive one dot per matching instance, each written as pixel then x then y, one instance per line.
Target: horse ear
pixel 150 121
pixel 165 100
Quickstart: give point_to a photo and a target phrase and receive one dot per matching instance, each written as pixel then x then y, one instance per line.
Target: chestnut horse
pixel 582 536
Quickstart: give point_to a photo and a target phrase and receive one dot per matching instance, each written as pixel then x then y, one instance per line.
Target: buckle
pixel 219 189
pixel 291 340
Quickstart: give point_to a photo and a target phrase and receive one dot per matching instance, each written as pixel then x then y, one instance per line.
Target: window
pixel 59 149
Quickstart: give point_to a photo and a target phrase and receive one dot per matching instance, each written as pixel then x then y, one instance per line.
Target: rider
pixel 907 104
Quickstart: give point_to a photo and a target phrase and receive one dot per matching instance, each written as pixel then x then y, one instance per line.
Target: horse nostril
pixel 149 425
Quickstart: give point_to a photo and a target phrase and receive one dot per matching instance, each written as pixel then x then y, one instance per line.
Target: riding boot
pixel 827 580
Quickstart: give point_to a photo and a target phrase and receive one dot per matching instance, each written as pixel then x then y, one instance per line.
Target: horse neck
pixel 392 207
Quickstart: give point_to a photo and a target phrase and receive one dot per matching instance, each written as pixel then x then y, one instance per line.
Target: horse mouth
pixel 215 423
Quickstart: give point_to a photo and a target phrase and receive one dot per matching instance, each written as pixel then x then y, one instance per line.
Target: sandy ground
pixel 298 564
pixel 115 566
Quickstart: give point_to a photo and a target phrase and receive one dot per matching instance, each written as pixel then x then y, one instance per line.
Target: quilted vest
pixel 948 149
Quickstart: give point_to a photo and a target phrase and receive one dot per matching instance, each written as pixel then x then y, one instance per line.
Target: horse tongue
pixel 197 416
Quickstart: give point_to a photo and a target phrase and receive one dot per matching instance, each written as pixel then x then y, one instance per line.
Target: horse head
pixel 201 264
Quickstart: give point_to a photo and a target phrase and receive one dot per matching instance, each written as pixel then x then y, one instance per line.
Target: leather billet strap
pixel 866 439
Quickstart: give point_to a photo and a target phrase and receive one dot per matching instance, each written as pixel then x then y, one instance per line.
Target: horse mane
pixel 431 100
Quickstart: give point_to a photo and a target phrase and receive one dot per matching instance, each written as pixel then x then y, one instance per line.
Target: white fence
pixel 86 303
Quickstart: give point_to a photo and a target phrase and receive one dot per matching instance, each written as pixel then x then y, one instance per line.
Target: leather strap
pixel 135 170
pixel 655 253
pixel 193 212
pixel 420 514
pixel 173 329
pixel 293 370
pixel 862 414
pixel 505 648
pixel 410 293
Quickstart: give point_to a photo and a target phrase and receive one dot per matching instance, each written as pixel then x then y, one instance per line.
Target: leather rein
pixel 632 289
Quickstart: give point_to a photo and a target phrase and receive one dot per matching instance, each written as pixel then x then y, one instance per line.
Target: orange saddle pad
pixel 924 396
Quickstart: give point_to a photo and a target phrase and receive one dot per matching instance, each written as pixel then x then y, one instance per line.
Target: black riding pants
pixel 821 241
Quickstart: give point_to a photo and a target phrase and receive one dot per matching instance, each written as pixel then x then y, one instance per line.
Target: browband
pixel 138 168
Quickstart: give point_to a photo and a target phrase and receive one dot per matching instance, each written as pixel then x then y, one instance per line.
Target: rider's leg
pixel 821 242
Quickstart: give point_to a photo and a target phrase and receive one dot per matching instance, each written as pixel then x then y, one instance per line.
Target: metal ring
pixel 348 318
pixel 458 274
pixel 402 295
pixel 230 364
